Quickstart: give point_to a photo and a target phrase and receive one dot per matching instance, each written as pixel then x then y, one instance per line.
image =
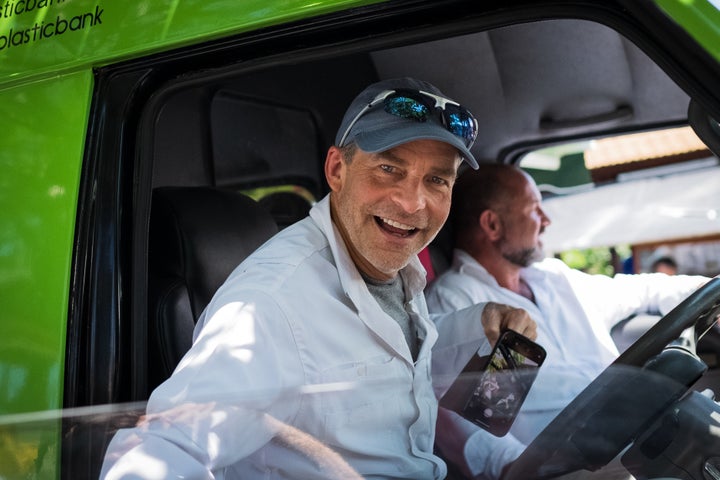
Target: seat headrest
pixel 198 235
pixel 286 207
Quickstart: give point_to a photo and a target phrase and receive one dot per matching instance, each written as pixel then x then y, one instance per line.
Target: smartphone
pixel 491 389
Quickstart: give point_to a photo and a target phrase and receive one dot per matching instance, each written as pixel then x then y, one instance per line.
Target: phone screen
pixel 492 389
pixel 505 382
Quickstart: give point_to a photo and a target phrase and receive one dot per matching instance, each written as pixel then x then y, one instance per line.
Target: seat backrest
pixel 198 235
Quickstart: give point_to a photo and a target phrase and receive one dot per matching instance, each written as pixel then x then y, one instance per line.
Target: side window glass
pixel 619 203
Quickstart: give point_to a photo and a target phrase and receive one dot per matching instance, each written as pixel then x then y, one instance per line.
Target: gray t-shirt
pixel 391 298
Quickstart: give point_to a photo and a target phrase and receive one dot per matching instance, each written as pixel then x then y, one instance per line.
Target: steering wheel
pixel 634 388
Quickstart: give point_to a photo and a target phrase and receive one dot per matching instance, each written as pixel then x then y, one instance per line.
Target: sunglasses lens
pixel 460 123
pixel 406 107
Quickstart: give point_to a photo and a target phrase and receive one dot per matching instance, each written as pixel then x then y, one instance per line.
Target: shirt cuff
pixel 486 455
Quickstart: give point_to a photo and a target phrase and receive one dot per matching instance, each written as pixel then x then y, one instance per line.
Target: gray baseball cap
pixel 374 130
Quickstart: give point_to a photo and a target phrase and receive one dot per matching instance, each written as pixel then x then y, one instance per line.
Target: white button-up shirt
pixel 574 313
pixel 291 355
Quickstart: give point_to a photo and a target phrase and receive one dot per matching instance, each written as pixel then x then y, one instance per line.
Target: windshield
pixel 628 403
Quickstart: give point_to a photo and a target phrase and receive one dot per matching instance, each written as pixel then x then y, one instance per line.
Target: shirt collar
pixel 465 263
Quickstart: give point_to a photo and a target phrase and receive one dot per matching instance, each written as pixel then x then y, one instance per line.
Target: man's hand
pixel 497 317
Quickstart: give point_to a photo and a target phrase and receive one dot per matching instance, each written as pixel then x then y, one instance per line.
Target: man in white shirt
pixel 334 302
pixel 497 221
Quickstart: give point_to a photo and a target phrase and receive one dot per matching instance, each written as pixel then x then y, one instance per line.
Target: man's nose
pixel 410 195
pixel 545 219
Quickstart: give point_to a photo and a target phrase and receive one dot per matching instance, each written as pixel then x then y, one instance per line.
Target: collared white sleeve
pixel 613 299
pixel 204 418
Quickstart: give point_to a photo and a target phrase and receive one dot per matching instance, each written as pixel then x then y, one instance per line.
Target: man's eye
pixel 388 168
pixel 438 181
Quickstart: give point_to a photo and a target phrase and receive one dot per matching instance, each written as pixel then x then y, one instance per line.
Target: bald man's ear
pixel 491 225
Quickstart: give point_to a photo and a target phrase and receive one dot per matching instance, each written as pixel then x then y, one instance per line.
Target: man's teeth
pixel 395 224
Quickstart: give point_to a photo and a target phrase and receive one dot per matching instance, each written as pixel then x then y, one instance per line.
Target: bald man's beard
pixel 522 257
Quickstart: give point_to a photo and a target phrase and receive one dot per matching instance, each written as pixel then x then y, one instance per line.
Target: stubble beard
pixel 524 257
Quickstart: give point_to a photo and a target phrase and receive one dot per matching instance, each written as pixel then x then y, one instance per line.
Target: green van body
pixel 48 52
pixel 46 87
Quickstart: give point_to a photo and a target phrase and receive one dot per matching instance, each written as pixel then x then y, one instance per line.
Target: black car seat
pixel 286 207
pixel 198 235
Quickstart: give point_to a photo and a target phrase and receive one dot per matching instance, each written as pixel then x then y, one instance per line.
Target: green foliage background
pixel 602 260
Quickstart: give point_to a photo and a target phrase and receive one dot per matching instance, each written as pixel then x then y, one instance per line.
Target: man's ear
pixel 491 225
pixel 335 168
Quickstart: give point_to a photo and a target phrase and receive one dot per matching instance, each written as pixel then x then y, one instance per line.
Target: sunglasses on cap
pixel 418 105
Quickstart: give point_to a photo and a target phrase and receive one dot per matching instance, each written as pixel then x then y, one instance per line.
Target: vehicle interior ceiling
pixel 529 85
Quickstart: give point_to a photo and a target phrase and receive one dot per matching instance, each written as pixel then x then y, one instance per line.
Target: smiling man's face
pixel 390 205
